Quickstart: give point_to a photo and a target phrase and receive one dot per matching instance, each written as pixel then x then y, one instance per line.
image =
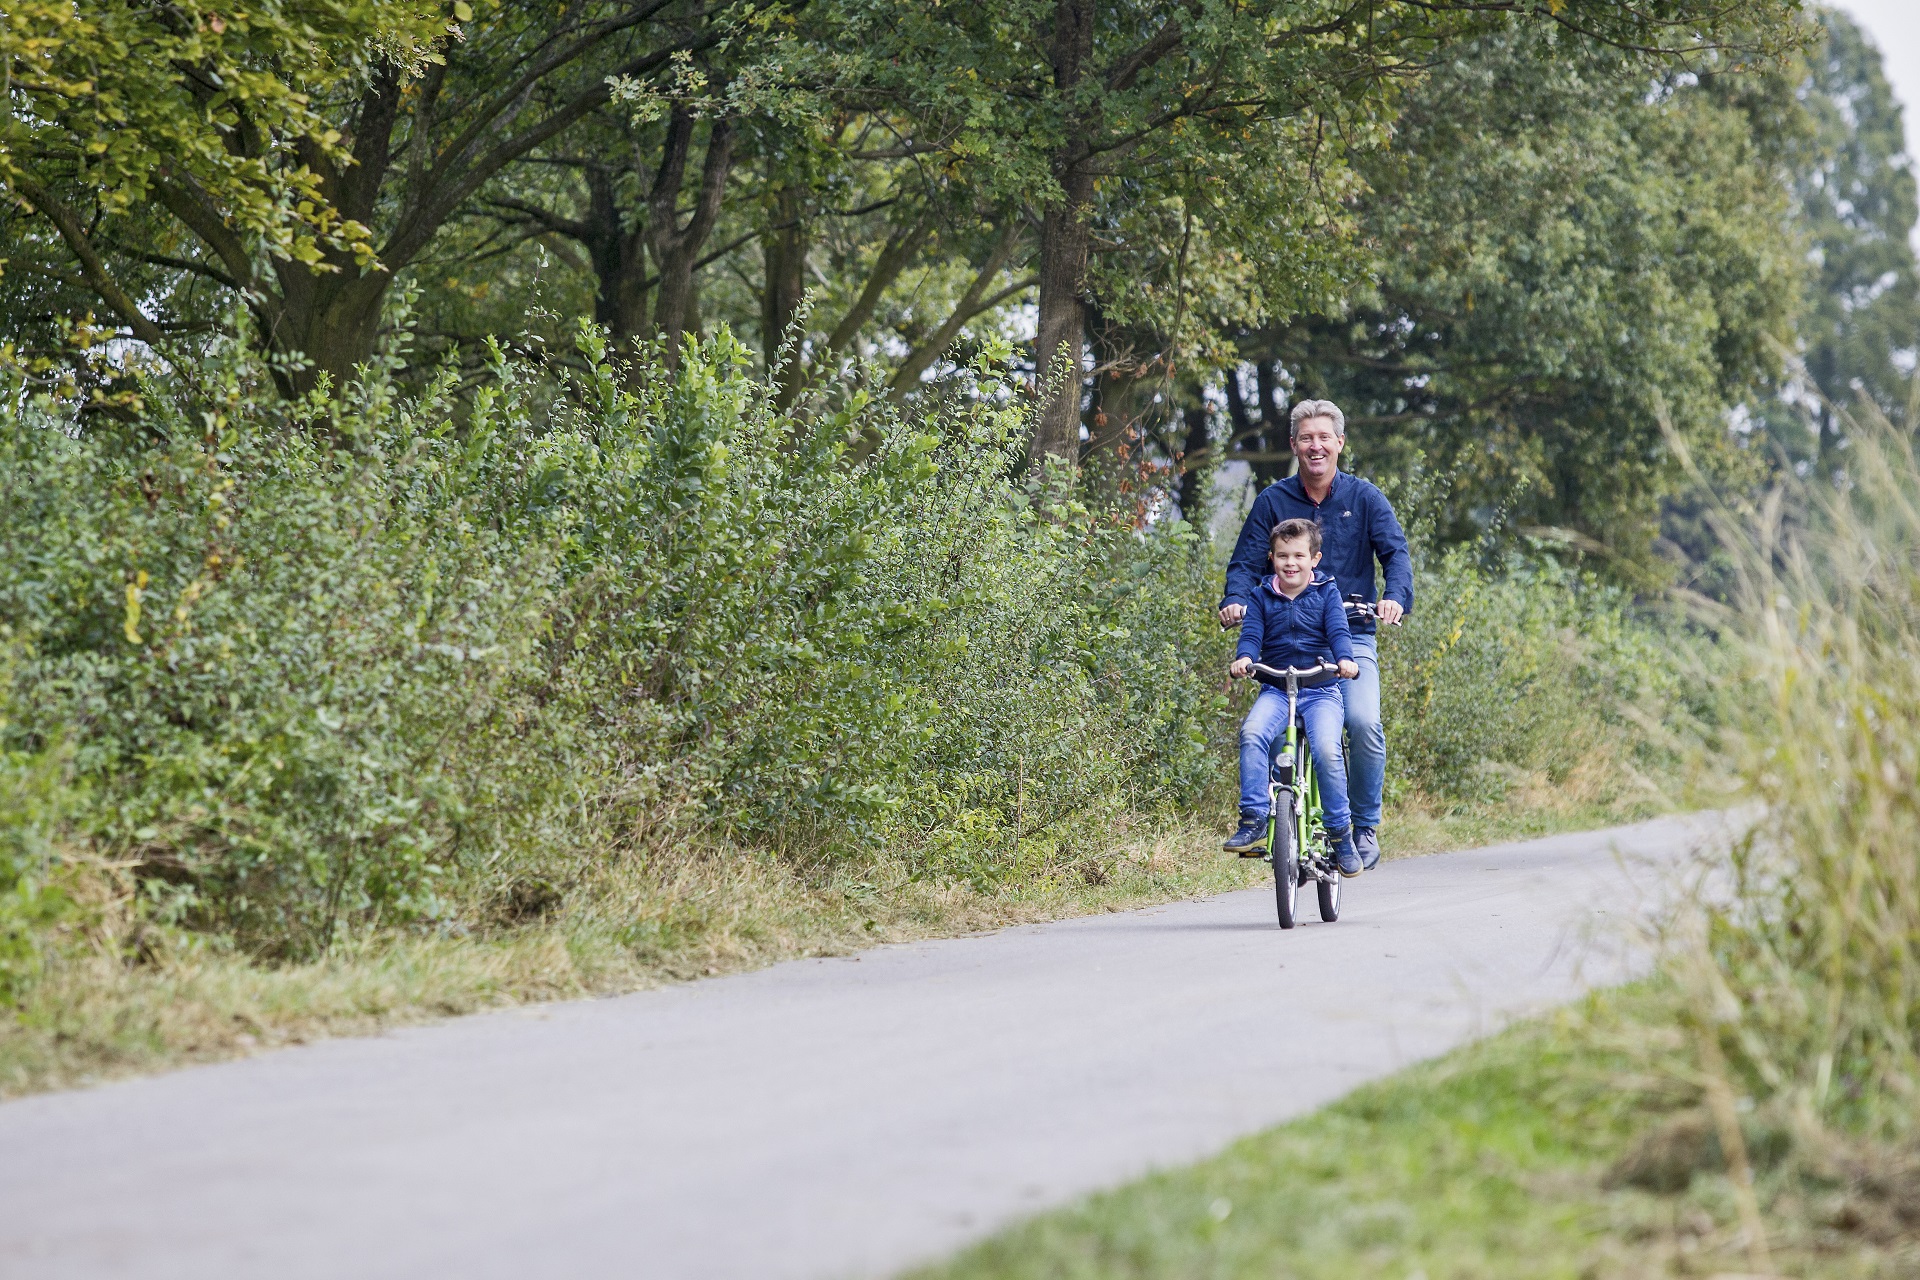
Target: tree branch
pixel 969 306
pixel 1158 46
pixel 898 251
pixel 184 264
pixel 548 219
pixel 186 202
pixel 425 218
pixel 91 266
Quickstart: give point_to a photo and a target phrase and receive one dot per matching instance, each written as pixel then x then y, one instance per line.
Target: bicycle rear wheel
pixel 1329 898
pixel 1286 860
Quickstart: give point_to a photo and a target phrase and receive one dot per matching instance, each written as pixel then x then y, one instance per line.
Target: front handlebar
pixel 1303 677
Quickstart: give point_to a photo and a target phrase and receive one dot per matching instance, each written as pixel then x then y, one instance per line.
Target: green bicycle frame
pixel 1308 830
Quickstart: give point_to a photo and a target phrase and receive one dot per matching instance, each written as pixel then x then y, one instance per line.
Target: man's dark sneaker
pixel 1367 841
pixel 1345 856
pixel 1250 841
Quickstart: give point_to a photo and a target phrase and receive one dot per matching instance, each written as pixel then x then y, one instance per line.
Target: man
pixel 1357 527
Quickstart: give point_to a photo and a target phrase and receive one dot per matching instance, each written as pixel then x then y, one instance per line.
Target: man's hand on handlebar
pixel 1230 615
pixel 1389 612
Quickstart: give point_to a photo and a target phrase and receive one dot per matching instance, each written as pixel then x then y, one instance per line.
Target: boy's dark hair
pixel 1288 530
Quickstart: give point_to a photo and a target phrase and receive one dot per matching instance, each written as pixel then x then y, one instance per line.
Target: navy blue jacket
pixel 1357 526
pixel 1301 632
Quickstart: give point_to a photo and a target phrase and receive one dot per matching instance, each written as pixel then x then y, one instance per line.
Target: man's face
pixel 1317 445
pixel 1294 562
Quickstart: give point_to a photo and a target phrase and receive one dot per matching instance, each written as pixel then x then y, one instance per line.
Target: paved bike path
pixel 821 1118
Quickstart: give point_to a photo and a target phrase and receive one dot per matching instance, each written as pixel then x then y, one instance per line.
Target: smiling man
pixel 1357 528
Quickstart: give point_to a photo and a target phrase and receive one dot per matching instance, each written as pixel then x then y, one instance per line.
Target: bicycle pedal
pixel 1253 853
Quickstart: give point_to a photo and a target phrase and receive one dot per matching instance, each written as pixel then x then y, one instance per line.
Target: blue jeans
pixel 1366 738
pixel 1324 712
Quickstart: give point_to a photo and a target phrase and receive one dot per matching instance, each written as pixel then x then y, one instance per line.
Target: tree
pixel 111 108
pixel 1856 205
pixel 1075 104
pixel 311 152
pixel 1571 251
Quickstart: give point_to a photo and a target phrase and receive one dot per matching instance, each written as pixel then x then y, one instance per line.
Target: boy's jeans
pixel 1366 739
pixel 1324 712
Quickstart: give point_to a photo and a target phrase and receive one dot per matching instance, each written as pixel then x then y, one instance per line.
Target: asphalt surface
pixel 822 1118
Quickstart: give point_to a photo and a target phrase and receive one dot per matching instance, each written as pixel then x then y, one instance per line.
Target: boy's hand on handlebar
pixel 1389 612
pixel 1242 667
pixel 1349 670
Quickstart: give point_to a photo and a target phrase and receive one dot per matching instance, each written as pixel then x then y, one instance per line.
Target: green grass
pixel 1492 1162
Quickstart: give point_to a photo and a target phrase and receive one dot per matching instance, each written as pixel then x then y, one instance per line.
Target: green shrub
pixel 429 659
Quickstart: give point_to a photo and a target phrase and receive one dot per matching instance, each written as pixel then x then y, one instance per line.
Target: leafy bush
pixel 383 658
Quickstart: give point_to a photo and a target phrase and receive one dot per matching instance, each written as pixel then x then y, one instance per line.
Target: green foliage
pixel 369 658
pixel 117 110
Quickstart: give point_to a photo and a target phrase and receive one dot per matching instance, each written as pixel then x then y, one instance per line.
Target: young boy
pixel 1296 620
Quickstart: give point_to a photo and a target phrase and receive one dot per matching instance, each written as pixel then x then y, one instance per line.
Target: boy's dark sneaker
pixel 1345 856
pixel 1367 841
pixel 1250 841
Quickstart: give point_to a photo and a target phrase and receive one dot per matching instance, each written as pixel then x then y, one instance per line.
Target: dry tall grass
pixel 1810 969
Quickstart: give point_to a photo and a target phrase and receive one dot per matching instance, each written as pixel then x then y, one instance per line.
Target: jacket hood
pixel 1320 579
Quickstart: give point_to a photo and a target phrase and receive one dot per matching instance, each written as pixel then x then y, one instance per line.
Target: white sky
pixel 1895 27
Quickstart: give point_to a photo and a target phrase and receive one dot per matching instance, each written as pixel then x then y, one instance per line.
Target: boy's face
pixel 1294 563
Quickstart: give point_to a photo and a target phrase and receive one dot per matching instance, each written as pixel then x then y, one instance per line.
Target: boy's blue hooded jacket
pixel 1300 632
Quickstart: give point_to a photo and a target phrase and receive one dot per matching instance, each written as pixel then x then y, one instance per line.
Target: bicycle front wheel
pixel 1286 860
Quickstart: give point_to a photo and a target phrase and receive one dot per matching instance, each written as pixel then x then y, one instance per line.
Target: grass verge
pixel 93 1017
pixel 1547 1151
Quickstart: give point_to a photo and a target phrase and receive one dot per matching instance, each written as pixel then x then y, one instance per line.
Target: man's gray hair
pixel 1317 409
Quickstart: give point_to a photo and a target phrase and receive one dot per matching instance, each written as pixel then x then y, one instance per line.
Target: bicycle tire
pixel 1329 893
pixel 1286 860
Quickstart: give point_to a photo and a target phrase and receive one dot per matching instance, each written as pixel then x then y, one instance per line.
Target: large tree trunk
pixel 1189 493
pixel 784 244
pixel 1276 434
pixel 1059 346
pixel 334 322
pixel 676 246
pixel 619 262
pixel 328 313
